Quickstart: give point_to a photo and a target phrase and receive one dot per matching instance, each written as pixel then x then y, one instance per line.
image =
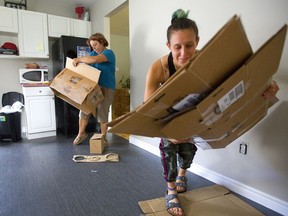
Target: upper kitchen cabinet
pixel 58 25
pixel 33 34
pixel 8 20
pixel 81 28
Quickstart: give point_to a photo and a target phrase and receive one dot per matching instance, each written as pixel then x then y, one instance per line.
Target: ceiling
pixel 84 3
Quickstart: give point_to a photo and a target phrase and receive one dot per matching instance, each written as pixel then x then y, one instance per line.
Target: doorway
pixel 116 27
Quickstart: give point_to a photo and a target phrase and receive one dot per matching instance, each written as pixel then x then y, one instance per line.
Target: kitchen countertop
pixel 35 84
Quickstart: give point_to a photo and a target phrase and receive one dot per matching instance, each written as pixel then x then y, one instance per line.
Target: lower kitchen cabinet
pixel 40 112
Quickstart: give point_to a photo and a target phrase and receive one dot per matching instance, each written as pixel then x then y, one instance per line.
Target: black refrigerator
pixel 67 116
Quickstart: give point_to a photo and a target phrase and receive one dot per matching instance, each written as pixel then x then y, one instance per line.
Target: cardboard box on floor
pixel 78 86
pixel 96 144
pixel 228 80
pixel 213 200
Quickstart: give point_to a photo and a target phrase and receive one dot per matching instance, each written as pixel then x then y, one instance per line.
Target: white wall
pixel 102 9
pixel 56 8
pixel 262 174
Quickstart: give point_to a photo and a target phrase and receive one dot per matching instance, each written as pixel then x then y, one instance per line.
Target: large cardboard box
pixel 215 97
pixel 213 200
pixel 78 86
pixel 96 143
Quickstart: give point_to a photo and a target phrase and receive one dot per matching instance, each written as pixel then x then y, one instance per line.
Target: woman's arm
pixel 153 79
pixel 90 59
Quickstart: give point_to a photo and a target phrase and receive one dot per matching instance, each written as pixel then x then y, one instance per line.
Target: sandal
pixel 80 138
pixel 106 144
pixel 170 205
pixel 182 184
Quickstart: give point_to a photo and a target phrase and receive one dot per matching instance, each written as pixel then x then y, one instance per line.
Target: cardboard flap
pixel 224 64
pixel 138 125
pixel 90 72
pixel 72 85
pixel 214 200
pixel 210 67
pixel 190 122
pixel 223 134
pixel 79 87
pixel 255 74
pixel 93 99
pixel 265 62
pixel 218 59
pixel 82 107
pixel 96 136
pixel 158 205
pixel 119 119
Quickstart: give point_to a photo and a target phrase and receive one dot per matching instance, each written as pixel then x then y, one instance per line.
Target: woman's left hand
pixel 174 141
pixel 271 91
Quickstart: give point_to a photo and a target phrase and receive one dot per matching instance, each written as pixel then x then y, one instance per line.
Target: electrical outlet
pixel 243 148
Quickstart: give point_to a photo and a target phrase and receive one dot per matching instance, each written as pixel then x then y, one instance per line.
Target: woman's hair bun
pixel 179 14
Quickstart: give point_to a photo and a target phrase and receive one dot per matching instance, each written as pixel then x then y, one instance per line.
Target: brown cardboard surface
pixel 96 144
pixel 214 200
pixel 209 68
pixel 218 117
pixel 211 59
pixel 78 86
pixel 239 116
pixel 109 157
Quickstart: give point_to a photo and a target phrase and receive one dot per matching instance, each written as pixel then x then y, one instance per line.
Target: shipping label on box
pixel 78 86
pixel 96 143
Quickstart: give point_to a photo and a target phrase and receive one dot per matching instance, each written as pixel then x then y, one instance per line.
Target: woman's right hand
pixel 271 91
pixel 75 61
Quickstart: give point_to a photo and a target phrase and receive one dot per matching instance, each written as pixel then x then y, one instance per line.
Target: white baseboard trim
pixel 144 145
pixel 253 194
pixel 257 196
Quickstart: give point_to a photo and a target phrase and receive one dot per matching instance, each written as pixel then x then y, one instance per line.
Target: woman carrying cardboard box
pixel 182 40
pixel 104 60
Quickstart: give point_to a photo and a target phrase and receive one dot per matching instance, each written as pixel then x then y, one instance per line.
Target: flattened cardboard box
pixel 78 86
pixel 213 200
pixel 228 80
pixel 96 144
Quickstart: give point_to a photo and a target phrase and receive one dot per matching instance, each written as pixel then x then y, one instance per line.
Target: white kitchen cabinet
pixel 40 112
pixel 33 34
pixel 58 25
pixel 8 20
pixel 80 28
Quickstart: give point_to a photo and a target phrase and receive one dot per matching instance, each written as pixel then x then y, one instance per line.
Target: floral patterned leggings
pixel 174 154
